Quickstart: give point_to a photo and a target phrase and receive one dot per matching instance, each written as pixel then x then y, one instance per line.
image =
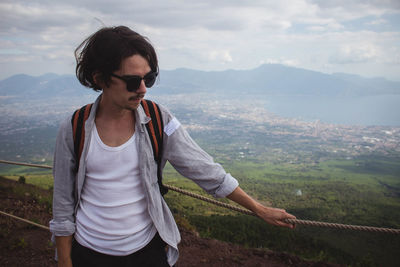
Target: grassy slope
pixel 360 191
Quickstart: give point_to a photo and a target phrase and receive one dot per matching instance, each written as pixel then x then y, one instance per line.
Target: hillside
pixel 25 245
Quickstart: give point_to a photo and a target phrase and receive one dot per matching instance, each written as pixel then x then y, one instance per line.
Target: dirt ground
pixel 25 245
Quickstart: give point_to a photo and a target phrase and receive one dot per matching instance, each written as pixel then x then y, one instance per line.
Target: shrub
pixel 22 179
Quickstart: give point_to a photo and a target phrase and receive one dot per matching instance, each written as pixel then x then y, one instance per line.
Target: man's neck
pixel 115 126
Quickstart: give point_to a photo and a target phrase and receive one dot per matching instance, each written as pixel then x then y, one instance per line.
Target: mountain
pixel 42 87
pixel 270 79
pixel 285 91
pixel 276 80
pixel 374 86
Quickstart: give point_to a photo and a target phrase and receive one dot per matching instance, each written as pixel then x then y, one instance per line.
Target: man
pixel 107 208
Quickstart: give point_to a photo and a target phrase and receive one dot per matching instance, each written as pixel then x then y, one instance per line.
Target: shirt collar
pixel 142 115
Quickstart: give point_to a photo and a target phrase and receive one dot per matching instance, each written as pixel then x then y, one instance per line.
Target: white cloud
pixel 283 61
pixel 359 53
pixel 354 9
pixel 207 34
pixel 377 22
pixel 223 56
pixel 5 59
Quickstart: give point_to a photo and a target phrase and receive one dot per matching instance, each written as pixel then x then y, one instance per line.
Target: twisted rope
pixel 25 164
pixel 24 220
pixel 345 226
pixel 292 221
pixel 209 200
pixel 244 211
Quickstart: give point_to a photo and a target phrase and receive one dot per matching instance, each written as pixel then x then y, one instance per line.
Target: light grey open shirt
pixel 178 148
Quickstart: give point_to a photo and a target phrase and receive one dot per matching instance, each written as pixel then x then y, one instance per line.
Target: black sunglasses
pixel 133 81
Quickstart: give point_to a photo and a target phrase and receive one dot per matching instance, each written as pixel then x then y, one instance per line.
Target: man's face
pixel 117 93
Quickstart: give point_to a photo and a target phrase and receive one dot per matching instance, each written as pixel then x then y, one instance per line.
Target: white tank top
pixel 112 216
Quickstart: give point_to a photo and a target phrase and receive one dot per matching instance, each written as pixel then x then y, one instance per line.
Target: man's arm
pixel 194 163
pixel 62 224
pixel 64 244
pixel 270 215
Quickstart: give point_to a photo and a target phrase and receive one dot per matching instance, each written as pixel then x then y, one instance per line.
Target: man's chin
pixel 133 105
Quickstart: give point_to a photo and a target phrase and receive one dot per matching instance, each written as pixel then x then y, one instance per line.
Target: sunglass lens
pixel 133 84
pixel 150 79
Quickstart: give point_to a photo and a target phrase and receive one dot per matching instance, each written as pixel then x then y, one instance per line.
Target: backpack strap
pixel 78 129
pixel 155 129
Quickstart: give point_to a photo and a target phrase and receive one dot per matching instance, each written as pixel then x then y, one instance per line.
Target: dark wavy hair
pixel 102 53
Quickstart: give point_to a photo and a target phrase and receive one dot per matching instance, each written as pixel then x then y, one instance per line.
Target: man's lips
pixel 137 97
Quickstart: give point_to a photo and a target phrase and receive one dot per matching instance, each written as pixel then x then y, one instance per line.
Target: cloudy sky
pixel 351 36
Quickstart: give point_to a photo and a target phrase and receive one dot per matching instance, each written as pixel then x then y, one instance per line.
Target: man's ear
pixel 98 79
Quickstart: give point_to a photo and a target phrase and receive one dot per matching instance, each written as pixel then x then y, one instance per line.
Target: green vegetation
pixel 28 143
pixel 44 180
pixel 26 189
pixel 361 191
pixel 353 191
pixel 311 178
pixel 21 180
pixel 19 243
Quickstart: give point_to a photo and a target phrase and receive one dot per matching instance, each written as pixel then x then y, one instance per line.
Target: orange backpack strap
pixel 155 129
pixel 154 126
pixel 78 129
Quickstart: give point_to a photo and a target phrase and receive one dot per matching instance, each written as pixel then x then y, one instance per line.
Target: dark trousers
pixel 152 255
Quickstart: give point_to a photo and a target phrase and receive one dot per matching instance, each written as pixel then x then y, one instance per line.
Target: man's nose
pixel 142 88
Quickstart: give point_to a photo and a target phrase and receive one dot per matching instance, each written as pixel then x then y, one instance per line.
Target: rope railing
pixel 292 221
pixel 24 220
pixel 245 211
pixel 26 164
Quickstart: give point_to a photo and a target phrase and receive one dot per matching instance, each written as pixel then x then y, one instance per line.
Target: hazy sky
pixel 352 36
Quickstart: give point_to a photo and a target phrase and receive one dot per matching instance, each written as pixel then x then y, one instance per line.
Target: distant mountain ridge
pixel 276 79
pixel 286 91
pixel 270 79
pixel 42 87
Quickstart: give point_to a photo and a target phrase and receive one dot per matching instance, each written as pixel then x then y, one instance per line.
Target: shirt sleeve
pixel 193 162
pixel 63 222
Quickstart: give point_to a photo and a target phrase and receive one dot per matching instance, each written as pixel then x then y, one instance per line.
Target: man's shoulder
pixel 66 122
pixel 82 107
pixel 163 109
